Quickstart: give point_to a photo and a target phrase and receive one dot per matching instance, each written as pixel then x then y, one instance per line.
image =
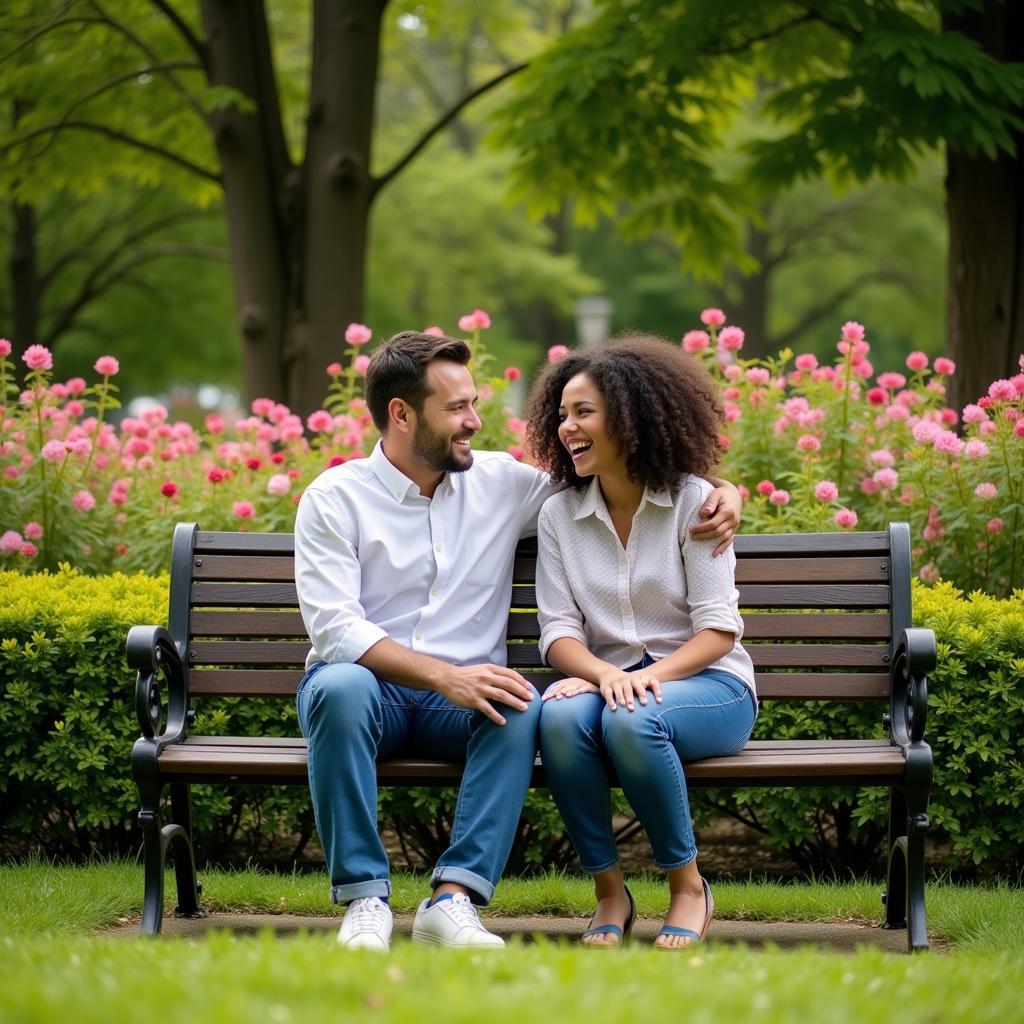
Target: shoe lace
pixel 463 912
pixel 367 914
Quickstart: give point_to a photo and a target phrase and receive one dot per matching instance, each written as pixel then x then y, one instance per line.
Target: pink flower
pixel 758 375
pixel 779 497
pixel 29 550
pixel 334 370
pixel 38 357
pixel 712 317
pixel 929 574
pixel 917 361
pixel 516 451
pixel 483 320
pixel 946 441
pixel 434 332
pixel 513 373
pixel 731 339
pixel 897 411
pixel 360 364
pixel 557 353
pixel 5 348
pixel 862 368
pixel 278 484
pixel 75 386
pixel 262 406
pixel 358 334
pixel 886 478
pixel 106 366
pixel 974 414
pixel 988 427
pixel 10 542
pixel 696 341
pixel 733 373
pixel 846 518
pixel 83 501
pixel 214 423
pixel 169 489
pixel 877 396
pixel 944 366
pixel 852 331
pixel 882 457
pixel 54 451
pixel 994 525
pixel 765 487
pixel 868 485
pixel 1002 390
pixel 826 491
pixel 1018 428
pixel 33 531
pixel 74 408
pixel 806 361
pixel 467 323
pixel 744 491
pixel 320 421
pixel 891 381
pixel 243 510
pixel 925 431
pixel 985 491
pixel 975 449
pixel 808 443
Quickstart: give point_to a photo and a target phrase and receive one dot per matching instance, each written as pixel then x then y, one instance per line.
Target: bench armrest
pixel 148 650
pixel 914 658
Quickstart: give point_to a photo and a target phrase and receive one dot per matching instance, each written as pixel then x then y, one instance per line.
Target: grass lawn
pixel 55 966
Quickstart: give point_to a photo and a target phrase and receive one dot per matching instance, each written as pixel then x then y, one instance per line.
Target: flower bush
pixel 75 488
pixel 821 447
pixel 812 447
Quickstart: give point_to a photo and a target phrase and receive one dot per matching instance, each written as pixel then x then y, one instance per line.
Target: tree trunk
pixel 339 189
pixel 985 205
pixel 751 312
pixel 254 166
pixel 24 269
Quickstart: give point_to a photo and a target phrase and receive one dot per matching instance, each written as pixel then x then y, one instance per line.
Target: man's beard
pixel 436 451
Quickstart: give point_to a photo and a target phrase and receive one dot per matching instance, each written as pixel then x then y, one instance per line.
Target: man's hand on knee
pixel 476 686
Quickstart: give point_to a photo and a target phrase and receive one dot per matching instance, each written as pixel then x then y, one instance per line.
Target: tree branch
pixel 439 125
pixel 770 34
pixel 195 43
pixel 56 23
pixel 117 136
pixel 106 86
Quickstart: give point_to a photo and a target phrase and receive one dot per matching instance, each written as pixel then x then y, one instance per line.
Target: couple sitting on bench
pixel 403 566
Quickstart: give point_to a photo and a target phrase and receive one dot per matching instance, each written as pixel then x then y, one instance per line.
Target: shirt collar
pixel 593 500
pixel 398 485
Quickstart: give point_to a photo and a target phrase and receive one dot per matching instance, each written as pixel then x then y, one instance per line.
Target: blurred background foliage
pixel 131 255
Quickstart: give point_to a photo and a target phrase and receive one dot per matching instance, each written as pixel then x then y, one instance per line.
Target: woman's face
pixel 582 428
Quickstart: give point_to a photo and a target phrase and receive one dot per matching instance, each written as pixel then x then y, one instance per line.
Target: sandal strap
pixel 669 929
pixel 604 929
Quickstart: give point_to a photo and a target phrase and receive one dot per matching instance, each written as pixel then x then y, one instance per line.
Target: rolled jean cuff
pixel 606 866
pixel 689 859
pixel 480 890
pixel 360 890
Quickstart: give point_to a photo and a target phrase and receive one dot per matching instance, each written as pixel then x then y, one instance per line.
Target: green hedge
pixel 67 725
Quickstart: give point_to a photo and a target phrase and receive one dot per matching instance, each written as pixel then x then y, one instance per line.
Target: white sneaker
pixel 367 925
pixel 452 922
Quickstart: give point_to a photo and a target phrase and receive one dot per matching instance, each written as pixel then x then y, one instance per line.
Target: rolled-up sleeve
pixel 559 614
pixel 710 583
pixel 327 578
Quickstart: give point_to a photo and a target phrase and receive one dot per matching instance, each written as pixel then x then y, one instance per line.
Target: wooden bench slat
pixel 826 595
pixel 245 595
pixel 817 655
pixel 811 544
pixel 844 569
pixel 234 542
pixel 271 624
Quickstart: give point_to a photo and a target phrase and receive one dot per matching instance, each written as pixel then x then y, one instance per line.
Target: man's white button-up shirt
pixel 649 597
pixel 374 558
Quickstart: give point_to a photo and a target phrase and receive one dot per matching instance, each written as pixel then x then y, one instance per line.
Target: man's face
pixel 441 438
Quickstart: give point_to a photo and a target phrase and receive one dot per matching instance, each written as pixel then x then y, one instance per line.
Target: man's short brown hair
pixel 398 369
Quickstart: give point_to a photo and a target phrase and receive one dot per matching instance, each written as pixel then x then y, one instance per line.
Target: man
pixel 403 563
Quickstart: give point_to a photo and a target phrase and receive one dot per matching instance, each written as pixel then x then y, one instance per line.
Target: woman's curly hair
pixel 661 406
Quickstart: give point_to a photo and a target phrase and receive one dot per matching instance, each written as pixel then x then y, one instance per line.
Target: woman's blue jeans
pixel 351 718
pixel 706 715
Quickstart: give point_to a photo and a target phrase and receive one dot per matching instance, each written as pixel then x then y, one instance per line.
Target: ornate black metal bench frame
pixel 827 617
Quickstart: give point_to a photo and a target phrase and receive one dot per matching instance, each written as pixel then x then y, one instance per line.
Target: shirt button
pixel 435 592
pixel 437 548
pixel 419 636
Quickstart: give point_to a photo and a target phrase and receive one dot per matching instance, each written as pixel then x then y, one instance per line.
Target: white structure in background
pixel 593 320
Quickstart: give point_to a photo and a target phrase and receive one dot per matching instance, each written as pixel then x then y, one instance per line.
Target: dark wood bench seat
pixel 827 617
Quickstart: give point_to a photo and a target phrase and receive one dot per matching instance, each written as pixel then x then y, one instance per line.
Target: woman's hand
pixel 624 688
pixel 569 688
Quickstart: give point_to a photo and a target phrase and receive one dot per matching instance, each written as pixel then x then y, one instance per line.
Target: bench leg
pixel 156 843
pixel 188 885
pixel 904 895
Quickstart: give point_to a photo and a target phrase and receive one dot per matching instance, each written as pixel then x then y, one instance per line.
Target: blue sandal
pixel 613 929
pixel 695 937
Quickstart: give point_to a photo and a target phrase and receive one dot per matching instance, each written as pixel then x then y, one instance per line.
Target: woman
pixel 640 617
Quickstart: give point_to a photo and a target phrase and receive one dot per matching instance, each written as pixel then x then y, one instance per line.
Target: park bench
pixel 827 618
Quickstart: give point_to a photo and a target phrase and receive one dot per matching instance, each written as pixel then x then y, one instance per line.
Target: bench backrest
pixel 820 612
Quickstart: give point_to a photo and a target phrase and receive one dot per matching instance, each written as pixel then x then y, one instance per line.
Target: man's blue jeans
pixel 351 718
pixel 706 715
